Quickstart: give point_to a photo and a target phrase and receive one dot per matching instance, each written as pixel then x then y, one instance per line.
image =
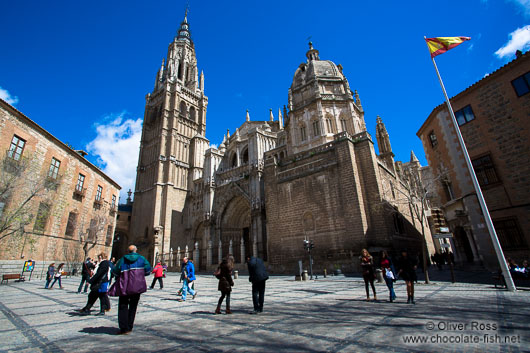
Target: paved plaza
pixel 325 315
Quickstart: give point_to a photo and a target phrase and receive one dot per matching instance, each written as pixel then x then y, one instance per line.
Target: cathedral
pixel 307 172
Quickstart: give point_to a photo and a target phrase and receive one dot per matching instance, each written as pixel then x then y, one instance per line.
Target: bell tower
pixel 171 149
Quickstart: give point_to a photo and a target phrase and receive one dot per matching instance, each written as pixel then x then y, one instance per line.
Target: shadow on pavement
pixel 101 330
pixel 75 313
pixel 202 313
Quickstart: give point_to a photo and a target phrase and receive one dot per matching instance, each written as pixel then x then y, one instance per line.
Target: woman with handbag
pixel 367 266
pixel 224 274
pixel 389 273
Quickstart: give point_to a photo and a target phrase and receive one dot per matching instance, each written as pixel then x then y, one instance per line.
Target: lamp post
pixel 308 246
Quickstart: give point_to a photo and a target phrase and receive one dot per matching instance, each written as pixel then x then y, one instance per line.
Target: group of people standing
pixel 257 276
pixel 406 269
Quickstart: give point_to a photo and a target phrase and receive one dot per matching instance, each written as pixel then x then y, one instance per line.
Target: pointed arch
pixel 182 108
pixel 193 114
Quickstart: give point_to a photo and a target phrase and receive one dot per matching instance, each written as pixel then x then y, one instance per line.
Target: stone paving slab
pixel 325 315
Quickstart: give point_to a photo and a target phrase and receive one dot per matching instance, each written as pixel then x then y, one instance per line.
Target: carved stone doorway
pixel 235 229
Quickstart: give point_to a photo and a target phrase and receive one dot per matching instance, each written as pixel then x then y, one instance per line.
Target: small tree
pixel 89 239
pixel 22 184
pixel 415 195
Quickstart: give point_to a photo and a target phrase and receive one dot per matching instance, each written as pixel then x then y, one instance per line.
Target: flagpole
pixel 494 239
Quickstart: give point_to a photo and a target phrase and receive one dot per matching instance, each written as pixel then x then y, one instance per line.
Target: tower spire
pixel 383 142
pixel 183 34
pixel 413 158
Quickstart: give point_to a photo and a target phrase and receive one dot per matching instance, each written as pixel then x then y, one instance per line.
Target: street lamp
pixel 308 246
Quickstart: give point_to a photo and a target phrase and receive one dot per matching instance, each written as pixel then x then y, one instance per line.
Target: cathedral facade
pixel 309 173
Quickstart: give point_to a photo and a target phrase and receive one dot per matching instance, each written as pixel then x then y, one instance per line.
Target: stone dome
pixel 316 69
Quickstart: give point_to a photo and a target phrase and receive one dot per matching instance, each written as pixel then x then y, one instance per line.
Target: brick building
pixel 55 205
pixel 493 115
pixel 311 172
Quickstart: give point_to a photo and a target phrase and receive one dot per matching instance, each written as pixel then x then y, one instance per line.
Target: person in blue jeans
pixel 186 279
pixel 49 274
pixel 88 267
pixel 389 274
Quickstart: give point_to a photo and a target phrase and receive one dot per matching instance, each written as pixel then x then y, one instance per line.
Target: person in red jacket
pixel 158 271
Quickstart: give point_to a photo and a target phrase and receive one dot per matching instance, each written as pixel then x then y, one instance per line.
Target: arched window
pixel 343 124
pixel 182 109
pixel 233 162
pixel 180 71
pixel 329 125
pixel 192 114
pixel 316 128
pixel 244 159
pixel 303 134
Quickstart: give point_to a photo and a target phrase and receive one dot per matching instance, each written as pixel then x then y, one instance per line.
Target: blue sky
pixel 82 69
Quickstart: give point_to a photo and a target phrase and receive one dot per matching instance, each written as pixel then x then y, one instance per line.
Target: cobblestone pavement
pixel 326 315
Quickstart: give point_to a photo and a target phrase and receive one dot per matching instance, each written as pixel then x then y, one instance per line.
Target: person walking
pixel 224 274
pixel 367 267
pixel 57 276
pixel 158 272
pixel 407 271
pixel 184 276
pixel 86 273
pixel 191 276
pixel 258 276
pixel 49 274
pixel 389 274
pixel 99 285
pixel 130 272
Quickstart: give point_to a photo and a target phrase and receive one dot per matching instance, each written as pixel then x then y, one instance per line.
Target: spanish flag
pixel 440 45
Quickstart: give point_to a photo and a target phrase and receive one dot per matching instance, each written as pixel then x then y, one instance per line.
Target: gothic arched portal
pixel 235 228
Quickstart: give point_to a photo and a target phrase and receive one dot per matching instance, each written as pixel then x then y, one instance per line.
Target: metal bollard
pixel 305 276
pixel 236 274
pixel 325 273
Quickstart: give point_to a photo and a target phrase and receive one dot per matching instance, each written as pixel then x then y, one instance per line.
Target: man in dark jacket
pixel 88 266
pixel 130 283
pixel 98 287
pixel 257 275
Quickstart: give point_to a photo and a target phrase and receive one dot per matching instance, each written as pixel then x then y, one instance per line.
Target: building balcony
pixel 98 203
pixel 79 192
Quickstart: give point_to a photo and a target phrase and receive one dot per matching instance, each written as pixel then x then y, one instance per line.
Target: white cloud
pixel 5 95
pixel 524 6
pixel 519 40
pixel 116 147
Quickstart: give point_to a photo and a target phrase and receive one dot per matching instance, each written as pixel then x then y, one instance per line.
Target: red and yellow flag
pixel 440 45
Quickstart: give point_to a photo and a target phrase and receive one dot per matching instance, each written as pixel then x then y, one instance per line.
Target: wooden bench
pixel 7 277
pixel 66 274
